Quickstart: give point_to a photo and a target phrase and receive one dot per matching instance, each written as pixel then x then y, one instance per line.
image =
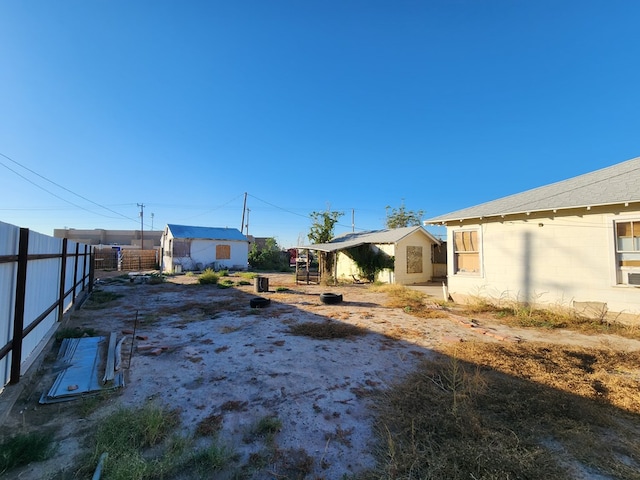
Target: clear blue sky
pixel 348 105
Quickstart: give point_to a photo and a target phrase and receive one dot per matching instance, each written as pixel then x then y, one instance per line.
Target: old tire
pixel 259 302
pixel 330 298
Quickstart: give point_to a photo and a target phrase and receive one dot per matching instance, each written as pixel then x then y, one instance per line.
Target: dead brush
pixel 487 410
pixel 326 330
pixel 411 301
pixel 517 314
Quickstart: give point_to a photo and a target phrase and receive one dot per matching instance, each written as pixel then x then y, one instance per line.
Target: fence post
pixel 18 318
pixel 92 268
pixel 75 273
pixel 63 278
pixel 84 267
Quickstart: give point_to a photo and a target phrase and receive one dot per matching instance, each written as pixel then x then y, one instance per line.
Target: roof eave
pixel 444 220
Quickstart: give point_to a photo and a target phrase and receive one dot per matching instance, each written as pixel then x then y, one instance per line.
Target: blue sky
pixel 305 106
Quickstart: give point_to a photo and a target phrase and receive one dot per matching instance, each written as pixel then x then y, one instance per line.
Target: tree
pixel 402 217
pixel 321 232
pixel 322 226
pixel 269 257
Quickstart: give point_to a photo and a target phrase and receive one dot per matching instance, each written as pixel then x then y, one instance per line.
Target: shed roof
pixel 209 233
pixel 386 236
pixel 617 184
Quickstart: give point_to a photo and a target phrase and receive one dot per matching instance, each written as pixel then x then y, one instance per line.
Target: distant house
pixel 410 247
pixel 573 243
pixel 187 248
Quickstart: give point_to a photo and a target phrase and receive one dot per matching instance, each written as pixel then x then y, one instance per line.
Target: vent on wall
pixel 634 279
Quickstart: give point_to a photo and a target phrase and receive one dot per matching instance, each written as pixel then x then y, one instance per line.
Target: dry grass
pixel 411 301
pixel 518 315
pixel 490 411
pixel 326 330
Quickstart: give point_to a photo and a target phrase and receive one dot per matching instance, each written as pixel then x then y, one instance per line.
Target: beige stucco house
pixel 410 247
pixel 574 243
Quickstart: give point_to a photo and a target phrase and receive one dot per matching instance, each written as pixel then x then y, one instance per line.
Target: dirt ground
pixel 205 351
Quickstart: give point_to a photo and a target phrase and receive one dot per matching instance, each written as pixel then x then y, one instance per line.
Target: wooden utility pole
pixel 244 208
pixel 141 205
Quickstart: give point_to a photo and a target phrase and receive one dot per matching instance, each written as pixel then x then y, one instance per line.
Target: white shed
pixel 187 248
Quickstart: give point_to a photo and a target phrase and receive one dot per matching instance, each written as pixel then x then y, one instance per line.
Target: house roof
pixel 350 240
pixel 617 184
pixel 209 233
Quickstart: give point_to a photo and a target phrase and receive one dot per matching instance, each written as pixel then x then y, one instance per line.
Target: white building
pixel 196 248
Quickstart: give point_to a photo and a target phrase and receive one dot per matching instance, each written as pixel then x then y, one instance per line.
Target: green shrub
pixel 208 277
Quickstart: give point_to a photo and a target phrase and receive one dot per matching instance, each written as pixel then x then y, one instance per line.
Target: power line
pixel 59 186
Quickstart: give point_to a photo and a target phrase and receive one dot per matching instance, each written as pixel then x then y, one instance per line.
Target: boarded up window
pixel 466 251
pixel 223 252
pixel 181 248
pixel 414 259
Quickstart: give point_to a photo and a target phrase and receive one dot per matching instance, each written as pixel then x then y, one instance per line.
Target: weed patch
pixel 326 330
pixel 77 332
pixel 100 299
pixel 25 448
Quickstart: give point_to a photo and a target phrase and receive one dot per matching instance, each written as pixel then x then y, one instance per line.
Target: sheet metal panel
pixel 9 236
pixel 43 286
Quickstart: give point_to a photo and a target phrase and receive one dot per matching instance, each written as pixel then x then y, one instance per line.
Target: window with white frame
pixel 466 255
pixel 628 252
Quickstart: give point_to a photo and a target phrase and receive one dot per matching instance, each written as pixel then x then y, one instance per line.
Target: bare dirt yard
pixel 204 353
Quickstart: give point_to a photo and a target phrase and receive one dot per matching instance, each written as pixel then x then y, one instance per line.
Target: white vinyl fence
pixel 40 279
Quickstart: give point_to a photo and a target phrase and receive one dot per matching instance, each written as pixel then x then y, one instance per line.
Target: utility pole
pixel 141 205
pixel 152 221
pixel 248 210
pixel 244 208
pixel 353 219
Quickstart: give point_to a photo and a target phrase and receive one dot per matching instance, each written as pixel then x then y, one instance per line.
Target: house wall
pixel 401 274
pixel 345 267
pixel 203 255
pixel 204 252
pixel 553 260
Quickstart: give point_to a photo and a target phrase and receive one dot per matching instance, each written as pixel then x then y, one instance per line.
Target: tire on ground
pixel 330 298
pixel 259 302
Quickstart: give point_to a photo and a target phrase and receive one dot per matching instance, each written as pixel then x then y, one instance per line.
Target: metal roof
pixel 350 240
pixel 209 233
pixel 617 184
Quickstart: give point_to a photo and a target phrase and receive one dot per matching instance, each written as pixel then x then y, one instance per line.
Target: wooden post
pixel 18 318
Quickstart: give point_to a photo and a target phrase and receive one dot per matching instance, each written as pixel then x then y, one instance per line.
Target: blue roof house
pixel 189 248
